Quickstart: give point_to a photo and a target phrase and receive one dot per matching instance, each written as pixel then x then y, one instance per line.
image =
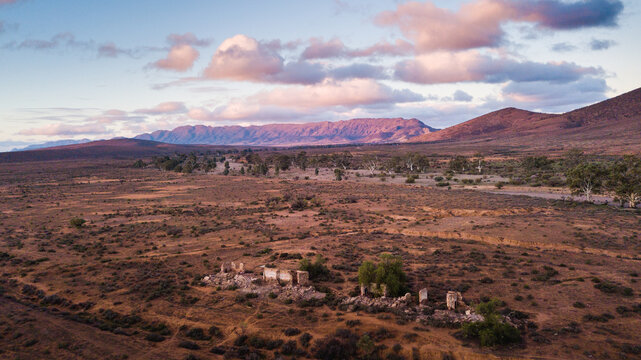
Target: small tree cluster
pixel 388 272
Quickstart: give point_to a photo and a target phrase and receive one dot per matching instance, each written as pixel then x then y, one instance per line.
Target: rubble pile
pixel 451 317
pixel 248 283
pixel 226 280
pixel 379 303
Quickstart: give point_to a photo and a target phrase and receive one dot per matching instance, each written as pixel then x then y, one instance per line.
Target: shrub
pixel 492 331
pixel 188 345
pixel 153 337
pixel 291 331
pixel 77 222
pixel 340 345
pixel 305 339
pixel 317 269
pixel 197 334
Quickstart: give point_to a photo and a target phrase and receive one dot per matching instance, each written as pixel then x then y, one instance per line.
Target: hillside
pixel 320 133
pixel 114 149
pixel 616 120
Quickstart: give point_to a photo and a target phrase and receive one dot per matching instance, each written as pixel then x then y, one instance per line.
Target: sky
pixel 72 69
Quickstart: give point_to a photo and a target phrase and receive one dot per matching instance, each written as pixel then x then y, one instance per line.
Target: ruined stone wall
pixel 270 274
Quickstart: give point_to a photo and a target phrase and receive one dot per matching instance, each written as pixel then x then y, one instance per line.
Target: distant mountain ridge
pixel 371 131
pixel 55 143
pixel 618 117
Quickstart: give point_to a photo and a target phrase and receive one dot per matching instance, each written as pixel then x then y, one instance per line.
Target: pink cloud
pixel 476 24
pixel 479 23
pixel 243 58
pixel 472 66
pixel 398 48
pixel 165 108
pixel 187 39
pixel 180 58
pixel 334 48
pixel 319 49
pixel 299 100
pixel 66 129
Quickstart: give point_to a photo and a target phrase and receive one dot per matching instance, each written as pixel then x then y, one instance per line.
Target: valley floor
pixel 126 284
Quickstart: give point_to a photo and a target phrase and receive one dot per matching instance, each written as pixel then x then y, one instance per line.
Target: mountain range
pixel 363 131
pixel 613 125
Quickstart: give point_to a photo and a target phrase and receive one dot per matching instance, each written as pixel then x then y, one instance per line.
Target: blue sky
pixel 89 69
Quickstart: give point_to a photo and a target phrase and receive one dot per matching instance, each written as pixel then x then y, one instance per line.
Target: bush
pixel 77 222
pixel 153 337
pixel 492 331
pixel 188 345
pixel 291 331
pixel 197 334
pixel 388 272
pixel 340 345
pixel 317 269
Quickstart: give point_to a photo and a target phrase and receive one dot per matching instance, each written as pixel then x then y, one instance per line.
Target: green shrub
pixel 492 331
pixel 317 269
pixel 77 222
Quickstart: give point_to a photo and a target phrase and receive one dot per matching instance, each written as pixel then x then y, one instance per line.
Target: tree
pixel 587 179
pixel 390 273
pixel 366 273
pixel 301 160
pixel 479 162
pixel 536 162
pixel 282 162
pixel 573 157
pixel 338 173
pixel 371 163
pixel 459 164
pixel 625 179
pixel 343 160
pixel 416 162
pixel 317 269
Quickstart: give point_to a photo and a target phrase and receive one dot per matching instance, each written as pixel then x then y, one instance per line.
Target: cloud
pixel 8 2
pixel 187 39
pixel 472 66
pixel 334 48
pixel 479 23
pixel 319 49
pixel 597 44
pixel 563 47
pixel 243 58
pixel 57 41
pixel 337 93
pixel 363 71
pixel 165 108
pixel 111 50
pixel 67 129
pixel 560 15
pixel 303 100
pixel 546 95
pixel 460 95
pixel 180 58
pixel 182 53
pixel 400 47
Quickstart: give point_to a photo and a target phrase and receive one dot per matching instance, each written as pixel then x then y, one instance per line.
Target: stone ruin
pixel 228 267
pixel 297 277
pixel 454 299
pixel 232 274
pixel 372 288
pixel 422 297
